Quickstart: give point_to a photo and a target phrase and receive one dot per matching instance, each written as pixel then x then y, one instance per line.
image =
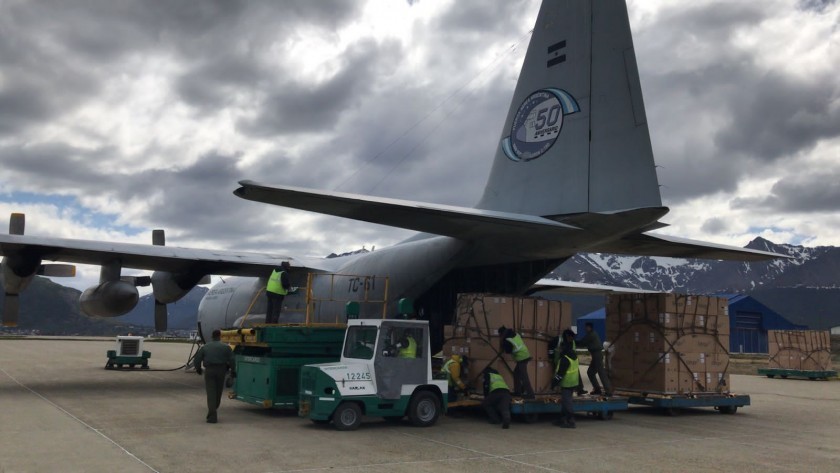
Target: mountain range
pixel 804 288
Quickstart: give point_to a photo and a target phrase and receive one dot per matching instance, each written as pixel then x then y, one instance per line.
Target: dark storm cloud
pixel 818 6
pixel 714 225
pixel 801 192
pixel 21 105
pixel 58 167
pixel 56 55
pixel 779 116
pixel 477 19
pixel 716 114
pixel 295 107
pixel 214 83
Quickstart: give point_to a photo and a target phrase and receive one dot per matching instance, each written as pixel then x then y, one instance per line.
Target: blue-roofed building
pixel 599 323
pixel 749 321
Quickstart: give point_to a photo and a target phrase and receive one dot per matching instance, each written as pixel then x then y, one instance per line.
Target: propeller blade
pixel 57 270
pixel 17 224
pixel 11 307
pixel 161 317
pixel 158 237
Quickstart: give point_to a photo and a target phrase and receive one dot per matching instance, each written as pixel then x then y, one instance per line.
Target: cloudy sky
pixel 117 117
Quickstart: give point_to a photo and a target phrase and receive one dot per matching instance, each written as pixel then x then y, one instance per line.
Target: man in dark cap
pixel 275 291
pixel 217 358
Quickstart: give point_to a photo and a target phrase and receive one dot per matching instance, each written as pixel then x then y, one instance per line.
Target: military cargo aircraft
pixel 573 172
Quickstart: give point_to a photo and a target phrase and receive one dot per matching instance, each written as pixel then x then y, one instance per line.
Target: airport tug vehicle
pixel 269 357
pixel 385 370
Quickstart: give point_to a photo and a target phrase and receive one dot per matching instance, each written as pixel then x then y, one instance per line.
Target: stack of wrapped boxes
pixel 803 350
pixel 668 343
pixel 474 334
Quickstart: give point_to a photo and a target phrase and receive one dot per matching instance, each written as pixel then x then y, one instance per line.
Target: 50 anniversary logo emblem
pixel 538 123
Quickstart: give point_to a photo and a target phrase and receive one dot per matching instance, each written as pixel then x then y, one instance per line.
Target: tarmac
pixel 61 411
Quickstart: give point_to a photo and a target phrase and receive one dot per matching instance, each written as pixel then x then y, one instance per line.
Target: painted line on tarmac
pixel 97 431
pixel 374 465
pixel 499 457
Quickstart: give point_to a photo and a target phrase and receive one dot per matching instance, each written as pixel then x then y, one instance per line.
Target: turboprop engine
pixel 109 299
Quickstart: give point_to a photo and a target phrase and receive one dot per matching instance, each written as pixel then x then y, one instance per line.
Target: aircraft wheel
pixel 605 415
pixel 530 418
pixel 424 409
pixel 348 416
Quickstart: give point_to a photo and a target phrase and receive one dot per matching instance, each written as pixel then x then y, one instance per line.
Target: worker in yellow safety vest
pixel 567 375
pixel 275 291
pixel 453 368
pixel 496 398
pixel 407 346
pixel 512 343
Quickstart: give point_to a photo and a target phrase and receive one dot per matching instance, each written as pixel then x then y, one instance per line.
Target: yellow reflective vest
pixel 410 351
pixel 571 378
pixel 497 382
pixel 452 368
pixel 275 285
pixel 520 351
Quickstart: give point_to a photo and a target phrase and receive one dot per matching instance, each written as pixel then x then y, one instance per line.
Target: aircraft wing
pixel 457 222
pixel 571 287
pixel 149 257
pixel 648 244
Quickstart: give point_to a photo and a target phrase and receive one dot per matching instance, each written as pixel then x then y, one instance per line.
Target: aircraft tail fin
pixel 576 138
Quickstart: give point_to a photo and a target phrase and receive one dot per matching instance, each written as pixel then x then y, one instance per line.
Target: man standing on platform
pixel 592 342
pixel 512 343
pixel 275 291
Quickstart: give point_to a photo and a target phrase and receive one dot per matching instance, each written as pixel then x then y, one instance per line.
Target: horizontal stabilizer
pixel 646 244
pixel 457 222
pixel 571 287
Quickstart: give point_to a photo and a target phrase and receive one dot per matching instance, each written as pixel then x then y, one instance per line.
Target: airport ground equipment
pixel 376 376
pixel 725 403
pixel 790 373
pixel 530 410
pixel 128 354
pixel 269 357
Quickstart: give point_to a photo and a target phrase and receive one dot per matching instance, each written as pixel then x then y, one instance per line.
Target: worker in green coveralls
pixel 216 358
pixel 592 342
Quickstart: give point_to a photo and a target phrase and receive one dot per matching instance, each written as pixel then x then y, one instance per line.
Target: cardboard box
pixel 448 332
